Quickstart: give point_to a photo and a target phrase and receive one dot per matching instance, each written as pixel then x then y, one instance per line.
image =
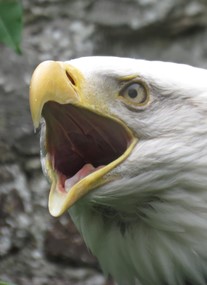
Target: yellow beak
pixel 61 83
pixel 52 81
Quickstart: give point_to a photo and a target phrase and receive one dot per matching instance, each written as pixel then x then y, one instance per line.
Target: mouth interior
pixel 80 140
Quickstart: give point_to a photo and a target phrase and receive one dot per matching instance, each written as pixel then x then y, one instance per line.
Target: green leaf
pixel 11 24
pixel 4 283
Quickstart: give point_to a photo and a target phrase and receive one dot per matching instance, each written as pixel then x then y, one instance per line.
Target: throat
pixel 143 250
pixel 111 216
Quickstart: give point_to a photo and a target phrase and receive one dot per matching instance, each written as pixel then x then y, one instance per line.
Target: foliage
pixel 4 283
pixel 11 24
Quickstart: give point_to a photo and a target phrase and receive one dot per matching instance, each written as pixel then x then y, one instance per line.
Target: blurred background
pixel 35 248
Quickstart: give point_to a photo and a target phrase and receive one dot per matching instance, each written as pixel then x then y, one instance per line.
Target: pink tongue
pixel 83 172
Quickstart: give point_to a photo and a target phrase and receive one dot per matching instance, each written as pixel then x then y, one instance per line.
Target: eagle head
pixel 123 144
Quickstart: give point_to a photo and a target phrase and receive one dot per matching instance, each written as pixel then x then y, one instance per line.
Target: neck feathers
pixel 164 244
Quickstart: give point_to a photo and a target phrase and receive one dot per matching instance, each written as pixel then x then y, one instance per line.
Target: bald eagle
pixel 124 145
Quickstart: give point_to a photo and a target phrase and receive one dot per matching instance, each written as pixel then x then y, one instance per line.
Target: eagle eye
pixel 135 93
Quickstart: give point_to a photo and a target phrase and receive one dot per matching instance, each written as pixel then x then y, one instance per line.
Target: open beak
pixel 80 145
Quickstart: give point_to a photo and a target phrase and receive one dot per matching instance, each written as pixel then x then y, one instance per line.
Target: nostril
pixel 70 78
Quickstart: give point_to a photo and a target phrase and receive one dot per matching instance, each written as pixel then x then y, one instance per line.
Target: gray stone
pixel 15 208
pixel 63 243
pixel 28 145
pixel 6 153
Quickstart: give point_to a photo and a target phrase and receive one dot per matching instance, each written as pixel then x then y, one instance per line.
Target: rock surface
pixel 35 248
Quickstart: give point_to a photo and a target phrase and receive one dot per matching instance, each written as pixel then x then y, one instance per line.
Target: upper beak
pixel 53 81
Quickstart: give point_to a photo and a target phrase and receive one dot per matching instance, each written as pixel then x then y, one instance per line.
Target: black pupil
pixel 132 92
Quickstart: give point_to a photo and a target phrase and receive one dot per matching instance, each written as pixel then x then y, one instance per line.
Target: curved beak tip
pixel 50 82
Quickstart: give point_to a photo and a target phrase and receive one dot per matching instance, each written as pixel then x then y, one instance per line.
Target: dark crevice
pixel 70 78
